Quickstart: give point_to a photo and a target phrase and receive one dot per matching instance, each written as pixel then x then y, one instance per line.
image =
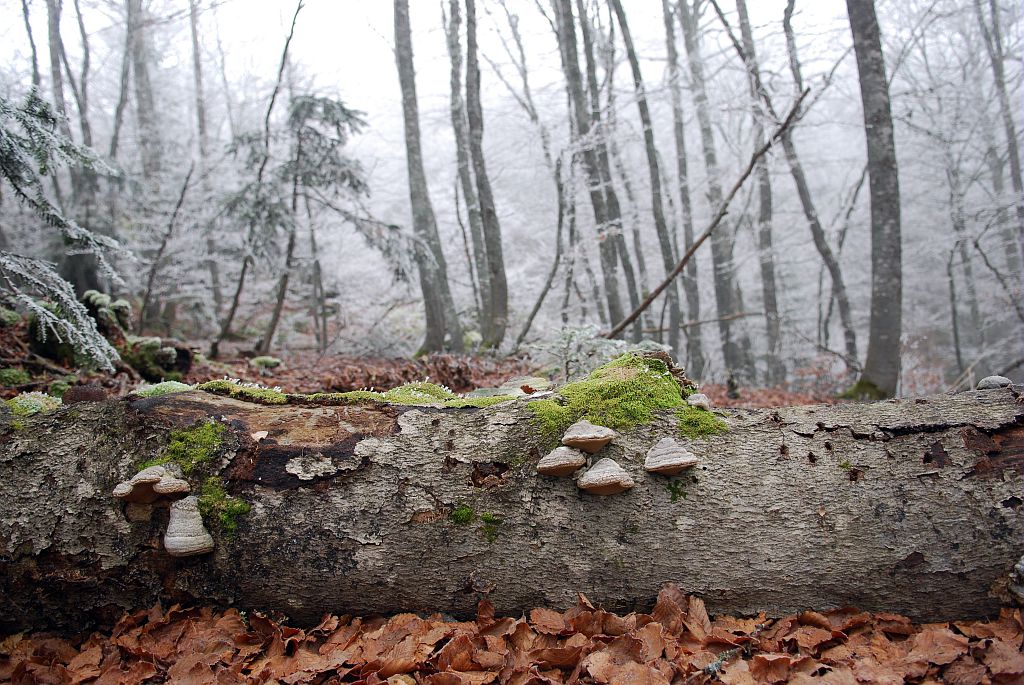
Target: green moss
pixel 29 403
pixel 9 317
pixel 191 447
pixel 240 391
pixel 621 394
pixel 10 377
pixel 412 394
pixel 676 489
pixel 692 422
pixel 165 388
pixel 265 362
pixel 17 424
pixel 845 464
pixel 60 386
pixel 462 515
pixel 864 390
pixel 491 525
pixel 219 508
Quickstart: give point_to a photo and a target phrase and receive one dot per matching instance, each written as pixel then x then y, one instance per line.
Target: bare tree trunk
pixel 443 331
pixel 154 268
pixel 881 372
pixel 668 255
pixel 203 145
pixel 494 332
pixel 150 144
pixel 776 368
pixel 36 79
pixel 606 220
pixel 465 171
pixel 954 316
pixel 721 244
pixel 694 342
pixel 959 222
pixel 603 128
pixel 351 510
pixel 809 209
pixel 125 81
pixel 994 47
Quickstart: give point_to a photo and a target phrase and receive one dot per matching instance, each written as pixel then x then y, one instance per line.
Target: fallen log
pixel 911 506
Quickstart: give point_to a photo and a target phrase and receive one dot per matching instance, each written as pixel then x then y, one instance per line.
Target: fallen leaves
pixel 678 643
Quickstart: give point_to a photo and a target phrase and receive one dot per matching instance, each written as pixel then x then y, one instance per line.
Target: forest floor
pixel 677 643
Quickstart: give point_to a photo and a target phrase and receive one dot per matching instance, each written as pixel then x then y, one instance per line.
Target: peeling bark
pixel 911 506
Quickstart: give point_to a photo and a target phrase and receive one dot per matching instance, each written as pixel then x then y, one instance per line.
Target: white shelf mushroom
pixel 699 400
pixel 668 458
pixel 588 437
pixel 561 461
pixel 149 485
pixel 605 477
pixel 186 535
pixel 993 382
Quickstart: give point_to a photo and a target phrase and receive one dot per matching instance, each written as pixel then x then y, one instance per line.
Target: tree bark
pixel 465 171
pixel 145 108
pixel 721 244
pixel 694 346
pixel 911 506
pixel 443 331
pixel 882 367
pixel 776 368
pixel 606 219
pixel 668 253
pixel 494 330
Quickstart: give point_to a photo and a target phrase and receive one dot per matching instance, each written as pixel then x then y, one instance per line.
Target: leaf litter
pixel 677 643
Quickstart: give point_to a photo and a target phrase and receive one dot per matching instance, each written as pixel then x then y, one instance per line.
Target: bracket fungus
pixel 186 535
pixel 667 457
pixel 149 485
pixel 588 437
pixel 699 400
pixel 561 461
pixel 605 477
pixel 993 382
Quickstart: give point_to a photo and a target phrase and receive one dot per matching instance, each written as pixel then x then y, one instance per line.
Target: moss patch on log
pixel 865 391
pixel 622 394
pixel 191 447
pixel 243 391
pixel 420 394
pixel 12 376
pixel 220 508
pixel 30 403
pixel 693 422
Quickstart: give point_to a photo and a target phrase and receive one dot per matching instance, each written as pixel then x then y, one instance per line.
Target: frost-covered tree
pixel 32 147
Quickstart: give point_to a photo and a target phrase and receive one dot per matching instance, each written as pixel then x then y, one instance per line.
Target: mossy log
pixel 912 506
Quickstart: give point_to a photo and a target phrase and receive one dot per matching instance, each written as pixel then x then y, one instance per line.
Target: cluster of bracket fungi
pixel 186 535
pixel 667 457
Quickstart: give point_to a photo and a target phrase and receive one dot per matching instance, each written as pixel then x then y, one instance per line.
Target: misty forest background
pixel 261 170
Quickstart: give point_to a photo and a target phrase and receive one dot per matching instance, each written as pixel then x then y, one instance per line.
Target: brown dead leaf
pixel 965 671
pixel 813 618
pixel 938 646
pixel 669 610
pixel 870 671
pixel 894 624
pixel 547 621
pixel 739 626
pixel 697 620
pixel 737 673
pixel 606 667
pixel 1002 659
pixel 809 638
pixel 772 668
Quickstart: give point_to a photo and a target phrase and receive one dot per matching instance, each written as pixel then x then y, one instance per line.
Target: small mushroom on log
pixel 149 485
pixel 605 477
pixel 699 400
pixel 993 382
pixel 668 458
pixel 588 437
pixel 186 535
pixel 561 461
